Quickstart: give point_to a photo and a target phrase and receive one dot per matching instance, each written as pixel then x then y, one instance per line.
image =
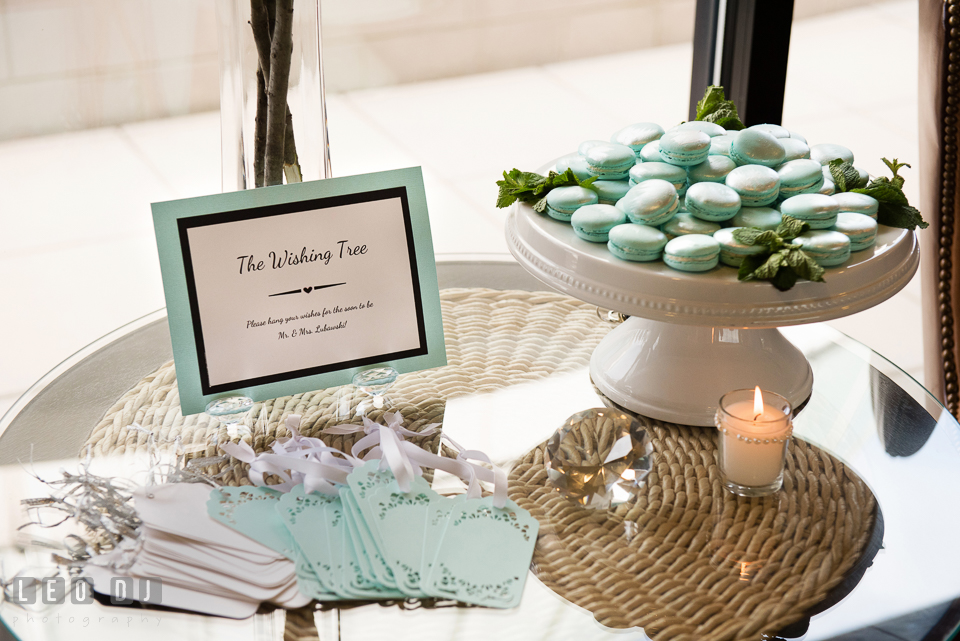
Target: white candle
pixel 753 434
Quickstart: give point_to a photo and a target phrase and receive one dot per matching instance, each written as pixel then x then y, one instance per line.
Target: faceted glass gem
pixel 599 457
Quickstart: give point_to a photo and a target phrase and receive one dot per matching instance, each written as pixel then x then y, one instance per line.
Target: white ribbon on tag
pixel 320 468
pixel 295 460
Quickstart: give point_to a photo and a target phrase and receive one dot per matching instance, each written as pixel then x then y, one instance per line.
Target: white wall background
pixel 76 64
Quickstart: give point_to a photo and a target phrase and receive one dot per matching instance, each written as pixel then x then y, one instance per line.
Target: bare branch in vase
pixel 280 52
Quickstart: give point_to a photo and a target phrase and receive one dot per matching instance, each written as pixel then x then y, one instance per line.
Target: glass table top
pixel 864 411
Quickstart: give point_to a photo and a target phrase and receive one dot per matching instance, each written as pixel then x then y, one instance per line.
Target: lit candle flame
pixel 757 403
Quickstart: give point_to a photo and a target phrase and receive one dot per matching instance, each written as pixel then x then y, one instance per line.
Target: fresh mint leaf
pixel 894 167
pixel 790 227
pixel 884 191
pixel 902 216
pixel 747 235
pixel 715 108
pixel 804 266
pixel 755 236
pixel 750 265
pixel 588 182
pixel 845 176
pixel 769 239
pixel 712 99
pixel 782 264
pixel 785 279
pixel 517 185
pixel 894 210
pixel 540 206
pixel 532 188
pixel 769 269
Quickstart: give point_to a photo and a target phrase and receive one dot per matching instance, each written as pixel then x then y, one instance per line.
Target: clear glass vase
pixel 257 148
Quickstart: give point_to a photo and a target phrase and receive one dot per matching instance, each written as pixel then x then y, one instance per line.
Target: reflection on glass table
pixel 864 411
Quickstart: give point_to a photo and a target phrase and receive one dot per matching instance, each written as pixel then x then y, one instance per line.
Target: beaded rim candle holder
pixel 752 449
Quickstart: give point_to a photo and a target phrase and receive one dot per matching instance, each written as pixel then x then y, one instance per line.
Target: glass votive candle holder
pixel 754 429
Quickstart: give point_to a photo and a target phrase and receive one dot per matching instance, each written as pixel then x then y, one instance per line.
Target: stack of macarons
pixel 677 195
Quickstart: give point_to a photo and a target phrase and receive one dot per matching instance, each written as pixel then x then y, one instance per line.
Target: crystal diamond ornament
pixel 599 457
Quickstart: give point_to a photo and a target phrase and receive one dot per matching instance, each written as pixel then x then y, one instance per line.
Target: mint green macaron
pixel 639 243
pixel 801 176
pixel 610 161
pixel 712 170
pixel 710 128
pixel 828 248
pixel 676 176
pixel 765 218
pixel 858 203
pixel 594 222
pixel 652 202
pixel 777 131
pixel 575 162
pixel 859 228
pixel 692 253
pixel 563 201
pixel 825 152
pixel 713 202
pixel 651 152
pixel 864 177
pixel 637 135
pixel 586 145
pixel 732 251
pixel 755 147
pixel 610 191
pixel 757 185
pixel 684 147
pixel 684 223
pixel 720 145
pixel 794 149
pixel 817 210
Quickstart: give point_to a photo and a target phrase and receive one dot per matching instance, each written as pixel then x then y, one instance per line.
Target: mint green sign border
pixel 165 216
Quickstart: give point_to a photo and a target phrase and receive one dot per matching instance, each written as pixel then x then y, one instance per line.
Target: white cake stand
pixel 691 338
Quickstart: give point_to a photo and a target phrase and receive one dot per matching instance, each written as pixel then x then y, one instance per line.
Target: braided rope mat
pixel 690 561
pixel 494 339
pixel 685 561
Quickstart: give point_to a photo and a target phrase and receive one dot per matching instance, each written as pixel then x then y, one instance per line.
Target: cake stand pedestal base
pixel 677 373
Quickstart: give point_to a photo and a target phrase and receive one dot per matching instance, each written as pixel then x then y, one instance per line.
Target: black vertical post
pixel 754 49
pixel 704 48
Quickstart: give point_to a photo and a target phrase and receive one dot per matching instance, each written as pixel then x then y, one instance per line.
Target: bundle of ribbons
pixel 363 525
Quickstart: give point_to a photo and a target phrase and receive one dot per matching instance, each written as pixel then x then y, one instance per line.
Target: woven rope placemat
pixel 494 339
pixel 685 561
pixel 690 561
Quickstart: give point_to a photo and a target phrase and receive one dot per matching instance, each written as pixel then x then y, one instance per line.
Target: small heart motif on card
pixel 307 290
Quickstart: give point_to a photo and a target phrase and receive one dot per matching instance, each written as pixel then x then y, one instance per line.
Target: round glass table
pixel 864 411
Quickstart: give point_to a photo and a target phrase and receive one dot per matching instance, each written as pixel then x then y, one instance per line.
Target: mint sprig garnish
pixel 532 188
pixel 783 262
pixel 715 108
pixel 845 176
pixel 894 210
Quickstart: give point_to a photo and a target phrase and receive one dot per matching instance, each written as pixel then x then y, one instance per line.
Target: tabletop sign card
pixel 282 290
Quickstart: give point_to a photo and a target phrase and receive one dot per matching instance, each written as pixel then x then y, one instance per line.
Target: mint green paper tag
pixel 304 516
pixel 401 519
pixel 484 555
pixel 358 530
pixel 352 582
pixel 438 514
pixel 252 511
pixel 308 583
